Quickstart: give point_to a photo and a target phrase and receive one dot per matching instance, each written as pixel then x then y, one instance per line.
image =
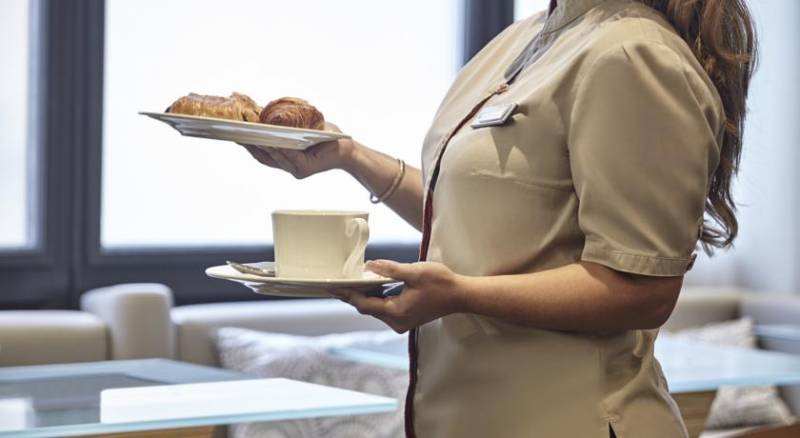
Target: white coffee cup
pixel 319 243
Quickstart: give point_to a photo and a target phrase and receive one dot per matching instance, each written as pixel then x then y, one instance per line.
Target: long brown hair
pixel 722 36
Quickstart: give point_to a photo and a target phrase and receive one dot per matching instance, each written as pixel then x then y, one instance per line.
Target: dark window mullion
pixel 483 20
pixel 87 167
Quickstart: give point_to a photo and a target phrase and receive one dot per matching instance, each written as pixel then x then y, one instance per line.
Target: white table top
pixel 691 366
pixel 234 402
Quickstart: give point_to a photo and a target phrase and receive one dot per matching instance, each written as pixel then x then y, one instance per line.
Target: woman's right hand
pixel 374 170
pixel 301 164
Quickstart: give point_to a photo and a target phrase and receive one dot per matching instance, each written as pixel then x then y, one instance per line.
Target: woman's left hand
pixel 431 291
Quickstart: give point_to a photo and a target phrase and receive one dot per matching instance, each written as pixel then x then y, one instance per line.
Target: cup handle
pixel 354 264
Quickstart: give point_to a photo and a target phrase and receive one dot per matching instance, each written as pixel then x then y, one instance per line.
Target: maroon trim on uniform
pixel 412 383
pixel 427 218
pixel 412 335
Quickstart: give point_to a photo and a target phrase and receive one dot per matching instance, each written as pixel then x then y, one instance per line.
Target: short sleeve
pixel 643 144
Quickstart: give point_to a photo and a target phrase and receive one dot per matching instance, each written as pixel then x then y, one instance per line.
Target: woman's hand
pixel 374 170
pixel 316 159
pixel 431 291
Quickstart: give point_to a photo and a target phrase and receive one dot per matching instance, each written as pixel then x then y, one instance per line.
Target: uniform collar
pixel 567 11
pixel 564 13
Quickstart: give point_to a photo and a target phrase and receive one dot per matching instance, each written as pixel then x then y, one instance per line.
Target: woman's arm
pixel 581 297
pixel 374 170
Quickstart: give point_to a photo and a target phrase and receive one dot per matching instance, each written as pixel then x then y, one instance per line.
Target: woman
pixel 562 193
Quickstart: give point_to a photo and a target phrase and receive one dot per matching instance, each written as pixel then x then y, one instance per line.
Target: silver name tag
pixel 494 115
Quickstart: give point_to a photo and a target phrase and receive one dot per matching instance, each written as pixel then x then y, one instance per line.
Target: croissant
pixel 294 112
pixel 236 107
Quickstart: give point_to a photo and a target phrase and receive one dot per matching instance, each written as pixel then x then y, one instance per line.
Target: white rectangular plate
pixel 258 134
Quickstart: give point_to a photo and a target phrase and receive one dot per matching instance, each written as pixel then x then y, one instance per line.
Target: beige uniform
pixel 607 159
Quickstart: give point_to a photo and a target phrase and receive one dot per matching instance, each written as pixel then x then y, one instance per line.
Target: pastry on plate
pixel 294 112
pixel 235 107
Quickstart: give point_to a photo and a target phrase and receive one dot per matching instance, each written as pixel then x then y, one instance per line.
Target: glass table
pixel 694 370
pixel 689 366
pixel 159 395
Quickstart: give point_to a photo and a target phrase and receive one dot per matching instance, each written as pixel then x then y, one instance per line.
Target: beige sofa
pixel 139 320
pixel 120 322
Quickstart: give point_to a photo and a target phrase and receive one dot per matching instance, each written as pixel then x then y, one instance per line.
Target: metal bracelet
pixel 393 187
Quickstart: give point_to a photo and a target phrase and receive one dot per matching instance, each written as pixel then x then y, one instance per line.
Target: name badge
pixel 494 115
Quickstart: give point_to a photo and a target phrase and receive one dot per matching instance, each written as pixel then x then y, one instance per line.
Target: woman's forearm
pixel 576 297
pixel 376 171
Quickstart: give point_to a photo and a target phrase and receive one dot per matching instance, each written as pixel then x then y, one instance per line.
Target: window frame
pixel 39 276
pixel 68 149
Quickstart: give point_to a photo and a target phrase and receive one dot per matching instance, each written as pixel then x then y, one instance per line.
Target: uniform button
pixel 501 88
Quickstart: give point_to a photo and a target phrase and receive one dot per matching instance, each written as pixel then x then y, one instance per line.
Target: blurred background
pixel 92 194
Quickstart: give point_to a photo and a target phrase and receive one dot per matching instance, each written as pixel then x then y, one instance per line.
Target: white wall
pixel 767 254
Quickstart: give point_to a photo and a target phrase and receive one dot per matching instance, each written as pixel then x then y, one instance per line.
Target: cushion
pixel 697 306
pixel 195 324
pixel 34 337
pixel 739 406
pixel 308 359
pixel 137 318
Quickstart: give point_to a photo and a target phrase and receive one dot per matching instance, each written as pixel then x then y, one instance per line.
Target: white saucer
pixel 300 287
pixel 257 134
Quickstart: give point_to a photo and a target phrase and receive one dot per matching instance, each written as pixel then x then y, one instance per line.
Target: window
pixel 526 8
pixel 16 194
pixel 379 71
pixel 125 199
